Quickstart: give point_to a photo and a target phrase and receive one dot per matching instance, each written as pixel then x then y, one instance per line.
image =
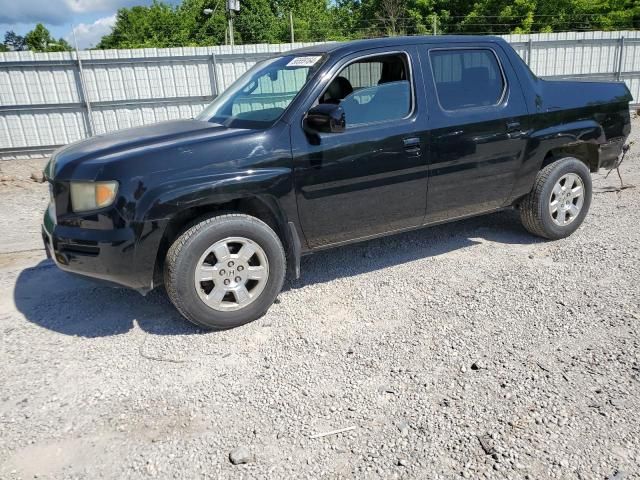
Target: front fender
pixel 171 197
pixel 160 205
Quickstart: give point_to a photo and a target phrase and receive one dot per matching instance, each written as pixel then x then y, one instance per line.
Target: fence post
pixel 215 90
pixel 620 58
pixel 291 26
pixel 529 50
pixel 84 98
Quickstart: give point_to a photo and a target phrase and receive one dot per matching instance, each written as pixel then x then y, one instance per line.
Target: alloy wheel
pixel 231 273
pixel 566 200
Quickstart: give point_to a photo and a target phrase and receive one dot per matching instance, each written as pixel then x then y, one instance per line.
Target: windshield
pixel 260 96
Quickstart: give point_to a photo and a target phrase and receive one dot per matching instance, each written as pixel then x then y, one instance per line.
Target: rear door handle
pixel 411 144
pixel 513 129
pixel 450 135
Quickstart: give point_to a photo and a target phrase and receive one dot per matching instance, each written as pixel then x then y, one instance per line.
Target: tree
pixel 13 41
pixel 313 20
pixel 198 28
pixel 257 23
pixel 185 23
pixel 141 27
pixel 346 19
pixel 40 40
pixel 391 14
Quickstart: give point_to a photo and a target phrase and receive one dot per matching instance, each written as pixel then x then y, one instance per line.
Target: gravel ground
pixel 465 350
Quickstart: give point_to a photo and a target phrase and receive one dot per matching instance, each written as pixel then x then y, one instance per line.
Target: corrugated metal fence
pixel 52 99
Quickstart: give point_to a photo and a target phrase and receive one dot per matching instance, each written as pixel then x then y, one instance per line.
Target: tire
pixel 549 194
pixel 214 304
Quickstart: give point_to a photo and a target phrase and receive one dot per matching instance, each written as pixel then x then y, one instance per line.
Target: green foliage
pixel 15 42
pixel 267 21
pixel 313 20
pixel 526 16
pixel 40 40
pixel 197 28
pixel 140 27
pixel 257 23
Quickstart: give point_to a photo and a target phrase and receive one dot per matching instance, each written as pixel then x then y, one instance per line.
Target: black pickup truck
pixel 323 146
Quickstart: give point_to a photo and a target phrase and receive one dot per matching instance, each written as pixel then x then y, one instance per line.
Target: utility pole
pixel 435 24
pixel 232 7
pixel 291 24
pixel 231 27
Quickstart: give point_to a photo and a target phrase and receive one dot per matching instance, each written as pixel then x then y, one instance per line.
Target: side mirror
pixel 325 118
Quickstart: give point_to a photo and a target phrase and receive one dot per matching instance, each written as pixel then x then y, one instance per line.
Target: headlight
pixel 92 195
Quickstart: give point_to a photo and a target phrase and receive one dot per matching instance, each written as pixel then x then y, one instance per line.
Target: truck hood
pixel 80 159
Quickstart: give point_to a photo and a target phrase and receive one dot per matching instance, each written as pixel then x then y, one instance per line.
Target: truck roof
pixel 356 45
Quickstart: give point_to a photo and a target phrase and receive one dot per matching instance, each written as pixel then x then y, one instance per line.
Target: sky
pixel 91 19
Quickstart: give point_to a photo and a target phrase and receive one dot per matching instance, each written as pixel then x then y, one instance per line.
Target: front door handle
pixel 411 144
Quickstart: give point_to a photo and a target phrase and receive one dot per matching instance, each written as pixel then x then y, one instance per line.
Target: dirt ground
pixel 468 350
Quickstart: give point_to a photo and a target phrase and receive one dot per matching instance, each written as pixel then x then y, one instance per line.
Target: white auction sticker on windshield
pixel 306 61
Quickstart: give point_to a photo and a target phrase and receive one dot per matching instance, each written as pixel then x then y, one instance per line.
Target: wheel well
pixel 587 153
pixel 186 218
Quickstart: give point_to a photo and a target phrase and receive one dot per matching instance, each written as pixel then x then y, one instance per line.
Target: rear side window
pixel 467 78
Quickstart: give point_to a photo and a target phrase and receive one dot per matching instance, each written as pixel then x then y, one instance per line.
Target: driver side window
pixel 371 90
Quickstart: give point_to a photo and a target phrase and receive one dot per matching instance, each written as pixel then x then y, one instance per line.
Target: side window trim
pixel 505 84
pixel 374 55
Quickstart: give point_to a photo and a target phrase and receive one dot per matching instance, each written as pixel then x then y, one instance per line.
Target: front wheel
pixel 559 200
pixel 225 271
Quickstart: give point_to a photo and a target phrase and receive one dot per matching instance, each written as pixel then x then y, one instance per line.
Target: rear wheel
pixel 225 271
pixel 559 200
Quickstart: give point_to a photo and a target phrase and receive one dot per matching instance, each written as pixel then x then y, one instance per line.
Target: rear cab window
pixel 467 78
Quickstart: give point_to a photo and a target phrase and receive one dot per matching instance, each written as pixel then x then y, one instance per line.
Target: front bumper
pixel 105 255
